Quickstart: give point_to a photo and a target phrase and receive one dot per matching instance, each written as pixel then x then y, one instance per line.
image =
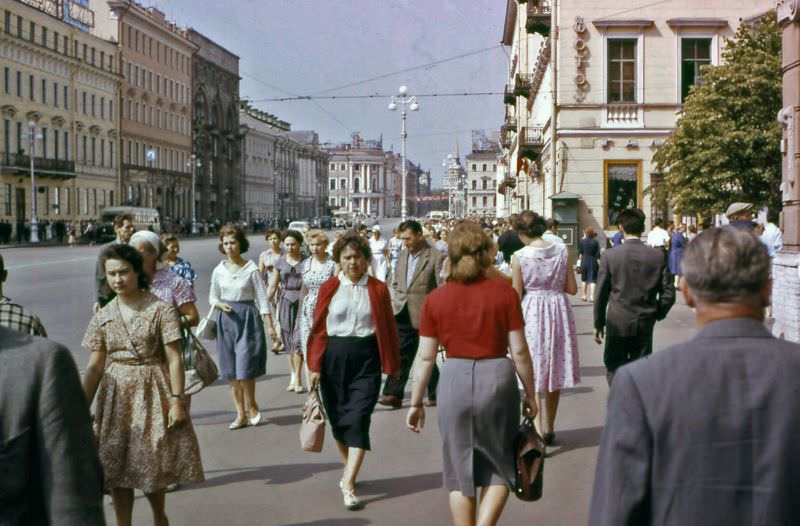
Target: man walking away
pixel 635 285
pixel 419 271
pixel 707 432
pixel 15 316
pixel 509 241
pixel 51 473
pixel 658 237
pixel 551 234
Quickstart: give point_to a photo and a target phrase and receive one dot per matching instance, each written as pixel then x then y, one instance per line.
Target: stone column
pixel 786 271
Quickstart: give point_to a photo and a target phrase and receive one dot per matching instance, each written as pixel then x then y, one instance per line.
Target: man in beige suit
pixel 418 272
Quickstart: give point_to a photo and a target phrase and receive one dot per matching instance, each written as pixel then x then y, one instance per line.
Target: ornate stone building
pixel 58 96
pixel 215 129
pixel 155 106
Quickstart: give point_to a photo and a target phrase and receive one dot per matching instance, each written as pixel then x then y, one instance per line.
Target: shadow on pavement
pixel 285 420
pixel 573 439
pixel 394 487
pixel 333 522
pixel 571 391
pixel 593 370
pixel 277 474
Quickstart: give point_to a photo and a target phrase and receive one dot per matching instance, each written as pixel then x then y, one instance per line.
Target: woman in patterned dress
pixel 542 276
pixel 145 439
pixel 289 278
pixel 266 268
pixel 317 269
pixel 179 266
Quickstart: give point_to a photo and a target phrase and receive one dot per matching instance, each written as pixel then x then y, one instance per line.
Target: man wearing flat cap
pixel 740 215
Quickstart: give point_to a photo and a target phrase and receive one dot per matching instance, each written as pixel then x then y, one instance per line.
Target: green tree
pixel 726 145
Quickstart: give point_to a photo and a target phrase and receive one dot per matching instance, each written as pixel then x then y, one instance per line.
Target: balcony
pixel 522 84
pixel 531 142
pixel 21 164
pixel 511 122
pixel 506 184
pixel 538 20
pixel 505 136
pixel 508 95
pixel 623 115
pixel 128 167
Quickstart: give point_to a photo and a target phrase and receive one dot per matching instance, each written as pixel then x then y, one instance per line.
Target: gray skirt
pixel 479 415
pixel 241 346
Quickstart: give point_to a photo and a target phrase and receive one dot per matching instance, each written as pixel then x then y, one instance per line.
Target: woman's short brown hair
pixel 130 255
pixel 353 240
pixel 530 224
pixel 468 249
pixel 271 231
pixel 590 233
pixel 169 237
pixel 232 230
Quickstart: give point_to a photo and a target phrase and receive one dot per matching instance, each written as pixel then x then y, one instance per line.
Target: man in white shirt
pixel 771 236
pixel 658 237
pixel 551 234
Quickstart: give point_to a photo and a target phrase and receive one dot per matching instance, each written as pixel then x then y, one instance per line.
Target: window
pixel 8 197
pixel 93 100
pixel 474 184
pixel 342 184
pixel 484 201
pixel 85 53
pixel 7 80
pixel 92 51
pixel 83 101
pixel 332 167
pixel 32 31
pixel 31 87
pixel 483 169
pixel 7 22
pixel 85 149
pixel 44 143
pixel 342 167
pixel 695 53
pixel 67 152
pixel 44 36
pixel 19 84
pixel 111 161
pixel 6 136
pixel 484 185
pixel 44 91
pixel 111 110
pixel 622 188
pixel 102 107
pixel 622 70
pixel 55 94
pixel 474 201
pixel 66 44
pixel 103 59
pixel 66 97
pixel 356 169
pixel 19 26
pixel 474 167
pixel 56 144
pixel 94 151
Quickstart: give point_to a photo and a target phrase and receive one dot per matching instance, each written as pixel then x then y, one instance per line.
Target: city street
pixel 261 476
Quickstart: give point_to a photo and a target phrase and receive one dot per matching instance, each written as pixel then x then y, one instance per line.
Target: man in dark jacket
pixel 707 432
pixel 635 286
pixel 49 469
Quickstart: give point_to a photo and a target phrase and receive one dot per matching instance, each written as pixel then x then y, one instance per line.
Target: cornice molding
pixel 788 11
pixel 613 24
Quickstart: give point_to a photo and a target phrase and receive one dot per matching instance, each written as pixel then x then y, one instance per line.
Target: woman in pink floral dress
pixel 542 275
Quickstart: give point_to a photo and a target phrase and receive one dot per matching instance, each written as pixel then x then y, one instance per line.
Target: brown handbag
pixel 529 456
pixel 312 428
pixel 199 368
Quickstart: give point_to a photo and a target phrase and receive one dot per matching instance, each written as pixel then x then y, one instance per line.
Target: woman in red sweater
pixel 353 338
pixel 479 404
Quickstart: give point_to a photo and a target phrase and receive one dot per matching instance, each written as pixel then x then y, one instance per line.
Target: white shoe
pixel 351 502
pixel 255 420
pixel 237 425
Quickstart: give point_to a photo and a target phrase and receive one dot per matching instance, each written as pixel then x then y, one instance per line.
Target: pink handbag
pixel 312 428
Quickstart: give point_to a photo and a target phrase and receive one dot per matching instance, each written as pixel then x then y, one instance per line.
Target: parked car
pixel 300 226
pixel 325 222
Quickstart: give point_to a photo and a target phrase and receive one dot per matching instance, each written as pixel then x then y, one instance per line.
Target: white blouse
pixel 349 313
pixel 243 285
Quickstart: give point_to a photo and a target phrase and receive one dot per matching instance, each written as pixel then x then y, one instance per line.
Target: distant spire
pixel 458 155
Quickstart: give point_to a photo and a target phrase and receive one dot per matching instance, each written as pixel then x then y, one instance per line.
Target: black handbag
pixel 529 457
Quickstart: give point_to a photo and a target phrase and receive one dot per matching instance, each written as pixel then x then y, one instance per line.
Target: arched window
pixel 356 185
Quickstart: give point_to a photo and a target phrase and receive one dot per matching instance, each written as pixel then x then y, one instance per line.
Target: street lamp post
pixel 195 162
pixel 32 136
pixel 412 104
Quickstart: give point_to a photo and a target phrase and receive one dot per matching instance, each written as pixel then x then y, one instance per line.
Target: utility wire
pixel 375 96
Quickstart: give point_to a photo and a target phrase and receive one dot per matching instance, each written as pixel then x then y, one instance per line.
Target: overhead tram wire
pixel 375 96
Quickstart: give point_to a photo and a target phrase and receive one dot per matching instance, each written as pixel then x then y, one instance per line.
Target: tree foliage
pixel 726 146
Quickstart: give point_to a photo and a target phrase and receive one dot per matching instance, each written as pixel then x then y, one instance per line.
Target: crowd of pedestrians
pixel 488 303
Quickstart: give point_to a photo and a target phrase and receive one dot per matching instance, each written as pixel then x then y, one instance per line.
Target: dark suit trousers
pixel 409 342
pixel 621 350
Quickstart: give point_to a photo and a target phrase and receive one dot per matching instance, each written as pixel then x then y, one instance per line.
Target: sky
pixel 307 47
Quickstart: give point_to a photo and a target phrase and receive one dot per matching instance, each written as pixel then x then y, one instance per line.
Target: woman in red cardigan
pixel 352 339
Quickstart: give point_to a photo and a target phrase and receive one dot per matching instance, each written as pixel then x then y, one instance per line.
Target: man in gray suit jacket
pixel 49 469
pixel 635 284
pixel 418 272
pixel 707 432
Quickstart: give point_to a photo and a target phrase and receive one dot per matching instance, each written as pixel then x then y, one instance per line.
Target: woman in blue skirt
pixel 238 292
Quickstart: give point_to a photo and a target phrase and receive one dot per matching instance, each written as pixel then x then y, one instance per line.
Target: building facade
pixel 481 168
pixel 215 128
pixel 591 96
pixel 59 107
pixel 259 132
pixel 312 172
pixel 358 180
pixel 155 106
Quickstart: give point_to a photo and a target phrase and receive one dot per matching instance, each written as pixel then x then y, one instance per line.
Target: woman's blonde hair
pixel 468 249
pixel 318 236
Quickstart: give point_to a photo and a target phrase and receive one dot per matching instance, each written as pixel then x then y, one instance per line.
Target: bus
pixel 438 215
pixel 143 219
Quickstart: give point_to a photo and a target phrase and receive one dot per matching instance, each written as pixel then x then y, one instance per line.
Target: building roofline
pixel 510 23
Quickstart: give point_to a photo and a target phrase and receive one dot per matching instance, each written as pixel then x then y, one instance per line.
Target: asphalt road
pixel 260 476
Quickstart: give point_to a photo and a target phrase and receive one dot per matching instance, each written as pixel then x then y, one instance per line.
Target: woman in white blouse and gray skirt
pixel 352 339
pixel 240 295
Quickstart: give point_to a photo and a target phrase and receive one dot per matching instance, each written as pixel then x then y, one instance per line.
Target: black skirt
pixel 350 383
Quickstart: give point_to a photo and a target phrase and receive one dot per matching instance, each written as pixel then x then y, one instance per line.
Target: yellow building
pixel 58 100
pixel 593 89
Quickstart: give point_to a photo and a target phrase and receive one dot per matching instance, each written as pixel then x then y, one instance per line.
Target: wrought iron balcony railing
pixel 538 19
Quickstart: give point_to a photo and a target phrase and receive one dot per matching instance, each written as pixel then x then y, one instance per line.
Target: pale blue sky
pixel 309 46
